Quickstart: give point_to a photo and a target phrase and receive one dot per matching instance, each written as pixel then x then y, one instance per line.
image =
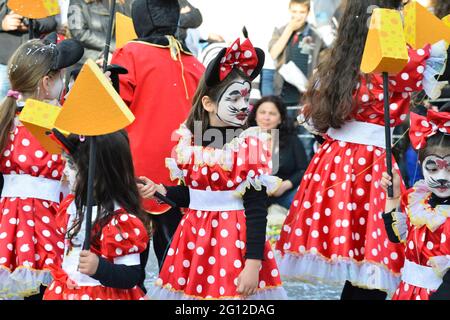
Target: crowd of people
pixel 242 140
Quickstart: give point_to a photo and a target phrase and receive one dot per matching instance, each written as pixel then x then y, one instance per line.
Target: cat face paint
pixel 233 106
pixel 436 171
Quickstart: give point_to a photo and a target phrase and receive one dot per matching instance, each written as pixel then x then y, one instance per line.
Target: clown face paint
pixel 233 106
pixel 436 171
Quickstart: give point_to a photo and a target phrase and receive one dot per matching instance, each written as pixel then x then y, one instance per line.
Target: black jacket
pixel 11 40
pixel 88 22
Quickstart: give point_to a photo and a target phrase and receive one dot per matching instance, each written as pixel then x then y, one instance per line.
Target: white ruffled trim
pixel 214 156
pixel 175 172
pixel 160 293
pixel 308 125
pixel 440 264
pixel 272 183
pixel 22 282
pixel 421 213
pixel 435 65
pixel 315 269
pixel 400 225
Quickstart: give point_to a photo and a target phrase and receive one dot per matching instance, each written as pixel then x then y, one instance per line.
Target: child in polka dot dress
pixel 422 223
pixel 219 250
pixel 31 190
pixel 334 230
pixel 113 268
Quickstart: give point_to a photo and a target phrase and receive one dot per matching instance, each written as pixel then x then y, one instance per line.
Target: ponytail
pixel 7 114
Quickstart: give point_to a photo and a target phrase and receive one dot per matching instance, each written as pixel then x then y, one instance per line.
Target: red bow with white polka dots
pixel 239 55
pixel 422 128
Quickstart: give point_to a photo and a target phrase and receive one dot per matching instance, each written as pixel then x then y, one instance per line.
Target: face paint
pixel 436 172
pixel 233 106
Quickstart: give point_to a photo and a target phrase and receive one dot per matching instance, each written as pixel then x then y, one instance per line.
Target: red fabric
pixel 123 235
pixel 154 90
pixel 422 127
pixel 28 237
pixel 369 96
pixel 336 213
pixel 240 55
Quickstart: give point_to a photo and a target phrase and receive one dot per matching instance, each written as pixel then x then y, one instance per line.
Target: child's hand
pixel 249 278
pixel 147 188
pixel 88 263
pixel 386 181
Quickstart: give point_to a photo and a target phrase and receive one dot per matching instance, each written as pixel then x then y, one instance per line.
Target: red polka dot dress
pixel 207 252
pixel 425 231
pixel 122 240
pixel 334 230
pixel 29 201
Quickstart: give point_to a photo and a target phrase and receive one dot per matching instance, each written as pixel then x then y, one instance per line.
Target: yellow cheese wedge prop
pixel 39 118
pixel 93 107
pixel 422 27
pixel 385 49
pixel 124 30
pixel 34 9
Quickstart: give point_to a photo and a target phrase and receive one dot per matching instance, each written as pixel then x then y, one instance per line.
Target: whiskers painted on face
pixel 438 183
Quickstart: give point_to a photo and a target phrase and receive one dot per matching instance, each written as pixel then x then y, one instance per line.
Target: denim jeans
pixel 267 82
pixel 4 81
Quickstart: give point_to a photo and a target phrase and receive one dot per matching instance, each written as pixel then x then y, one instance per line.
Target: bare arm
pixel 279 43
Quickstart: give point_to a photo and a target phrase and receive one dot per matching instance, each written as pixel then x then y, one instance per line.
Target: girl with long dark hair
pixel 334 231
pixel 113 268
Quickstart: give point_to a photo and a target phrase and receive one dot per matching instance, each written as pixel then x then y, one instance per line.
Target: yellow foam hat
pixel 93 107
pixel 124 30
pixel 34 9
pixel 422 27
pixel 39 118
pixel 385 49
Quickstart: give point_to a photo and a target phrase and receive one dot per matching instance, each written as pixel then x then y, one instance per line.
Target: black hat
pixel 67 52
pixel 155 17
pixel 212 73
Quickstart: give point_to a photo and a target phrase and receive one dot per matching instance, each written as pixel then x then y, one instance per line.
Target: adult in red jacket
pixel 161 81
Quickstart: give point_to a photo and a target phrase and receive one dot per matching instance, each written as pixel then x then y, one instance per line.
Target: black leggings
pixel 37 296
pixel 350 292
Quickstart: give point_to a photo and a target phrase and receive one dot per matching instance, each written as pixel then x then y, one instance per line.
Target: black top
pixel 292 160
pixel 255 205
pixel 11 40
pixel 120 276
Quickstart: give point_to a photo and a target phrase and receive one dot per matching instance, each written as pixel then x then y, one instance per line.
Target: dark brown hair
pixel 329 99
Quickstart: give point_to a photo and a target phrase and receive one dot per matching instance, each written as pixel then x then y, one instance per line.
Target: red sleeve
pixel 124 235
pixel 124 57
pixel 62 218
pixel 410 78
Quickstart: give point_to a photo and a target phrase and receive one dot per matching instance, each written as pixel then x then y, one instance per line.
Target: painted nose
pixel 443 182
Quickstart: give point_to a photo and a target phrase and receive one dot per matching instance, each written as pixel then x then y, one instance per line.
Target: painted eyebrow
pixel 430 162
pixel 235 92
